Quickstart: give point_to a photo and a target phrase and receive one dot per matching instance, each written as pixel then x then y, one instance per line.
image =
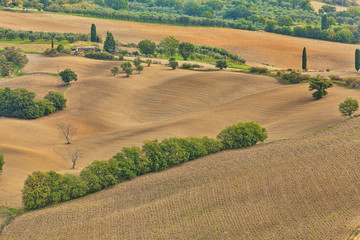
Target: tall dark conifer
pixel 93 33
pixel 357 59
pixel 324 22
pixel 304 60
pixel 109 44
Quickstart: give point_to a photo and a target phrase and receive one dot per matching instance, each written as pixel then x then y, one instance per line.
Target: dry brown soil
pixel 256 47
pixel 112 112
pixel 305 188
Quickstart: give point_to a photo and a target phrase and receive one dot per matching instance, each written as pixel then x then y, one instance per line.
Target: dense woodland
pixel 289 17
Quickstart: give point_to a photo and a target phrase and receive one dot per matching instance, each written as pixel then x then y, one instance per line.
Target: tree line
pixel 45 188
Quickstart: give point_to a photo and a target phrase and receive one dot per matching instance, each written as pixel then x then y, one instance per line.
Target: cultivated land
pixel 305 188
pixel 256 47
pixel 112 112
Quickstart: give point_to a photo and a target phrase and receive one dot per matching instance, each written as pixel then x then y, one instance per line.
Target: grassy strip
pixel 7 215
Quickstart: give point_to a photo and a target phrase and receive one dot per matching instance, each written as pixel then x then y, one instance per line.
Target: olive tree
pixel 68 75
pixel 320 85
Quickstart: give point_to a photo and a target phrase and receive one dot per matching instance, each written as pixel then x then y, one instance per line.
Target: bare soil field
pixel 112 112
pixel 304 188
pixel 256 47
pixel 317 5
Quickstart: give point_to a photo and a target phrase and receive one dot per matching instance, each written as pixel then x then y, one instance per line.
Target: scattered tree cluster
pixel 20 103
pixel 10 60
pixel 43 189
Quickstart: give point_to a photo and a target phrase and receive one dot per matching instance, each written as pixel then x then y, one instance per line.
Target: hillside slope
pixel 112 112
pixel 305 188
pixel 255 47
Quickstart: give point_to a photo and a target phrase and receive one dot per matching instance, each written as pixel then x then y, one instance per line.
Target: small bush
pixel 348 107
pixel 173 64
pixel 334 77
pixel 100 55
pixel 259 70
pixel 242 135
pixel 57 99
pixel 221 64
pixel 295 77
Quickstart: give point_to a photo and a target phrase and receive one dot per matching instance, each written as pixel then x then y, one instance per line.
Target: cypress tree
pixel 93 33
pixel 109 44
pixel 304 60
pixel 357 59
pixel 324 23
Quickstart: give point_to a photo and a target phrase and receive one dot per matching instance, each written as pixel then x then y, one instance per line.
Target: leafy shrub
pixel 348 107
pixel 173 64
pixel 294 77
pixel 242 135
pixel 352 82
pixel 334 77
pixel 259 70
pixel 100 55
pixel 221 64
pixel 57 99
pixel 68 75
pixel 9 59
pixel 319 84
pixel 189 66
pixel 43 189
pixel 20 103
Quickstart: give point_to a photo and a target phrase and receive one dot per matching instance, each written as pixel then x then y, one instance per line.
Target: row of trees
pixel 171 47
pixel 43 189
pixel 10 34
pixel 20 103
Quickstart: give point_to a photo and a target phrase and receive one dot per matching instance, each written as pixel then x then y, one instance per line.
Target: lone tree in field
pixel 115 70
pixel 147 47
pixel 109 44
pixel 348 107
pixel 1 162
pixel 67 76
pixel 304 60
pixel 67 130
pixel 173 64
pixel 320 84
pixel 221 63
pixel 93 33
pixel 73 154
pixel 357 59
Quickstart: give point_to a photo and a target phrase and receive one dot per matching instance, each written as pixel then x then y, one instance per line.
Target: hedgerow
pixel 43 189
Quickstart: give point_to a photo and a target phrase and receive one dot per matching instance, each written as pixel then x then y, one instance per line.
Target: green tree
pixel 304 60
pixel 2 162
pixel 115 70
pixel 57 99
pixel 242 135
pixel 117 4
pixel 170 45
pixel 147 47
pixel 137 61
pixel 109 44
pixel 348 107
pixel 139 68
pixel 125 65
pixel 357 59
pixel 324 22
pixel 320 84
pixel 60 48
pixel 128 72
pixel 186 49
pixel 68 75
pixel 173 64
pixel 221 63
pixel 285 21
pixel 93 37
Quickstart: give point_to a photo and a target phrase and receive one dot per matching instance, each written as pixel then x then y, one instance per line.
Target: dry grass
pixel 255 47
pixel 112 112
pixel 305 188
